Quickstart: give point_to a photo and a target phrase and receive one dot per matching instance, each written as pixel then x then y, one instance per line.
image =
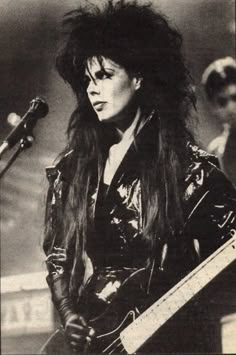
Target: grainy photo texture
pixel 118 176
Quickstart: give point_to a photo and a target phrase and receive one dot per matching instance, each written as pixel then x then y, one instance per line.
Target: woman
pixel 219 81
pixel 131 195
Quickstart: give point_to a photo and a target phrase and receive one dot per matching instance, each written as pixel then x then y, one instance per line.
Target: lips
pixel 98 105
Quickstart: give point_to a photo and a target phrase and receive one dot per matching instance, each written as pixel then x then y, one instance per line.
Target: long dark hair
pixel 142 41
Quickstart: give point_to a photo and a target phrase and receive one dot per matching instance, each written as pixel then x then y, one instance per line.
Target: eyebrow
pixel 88 73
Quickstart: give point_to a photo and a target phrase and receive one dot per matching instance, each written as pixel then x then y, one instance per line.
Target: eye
pixel 222 101
pixel 101 75
pixel 233 97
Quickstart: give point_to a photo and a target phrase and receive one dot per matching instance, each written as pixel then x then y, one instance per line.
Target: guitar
pixel 121 327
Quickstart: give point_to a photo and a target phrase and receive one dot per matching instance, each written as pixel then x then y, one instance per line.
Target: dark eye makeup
pixel 99 75
pixel 223 101
pixel 103 74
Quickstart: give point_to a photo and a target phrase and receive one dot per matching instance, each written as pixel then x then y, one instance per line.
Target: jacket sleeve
pixel 212 219
pixel 59 258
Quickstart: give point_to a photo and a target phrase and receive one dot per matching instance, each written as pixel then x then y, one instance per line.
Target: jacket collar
pixel 61 166
pixel 144 139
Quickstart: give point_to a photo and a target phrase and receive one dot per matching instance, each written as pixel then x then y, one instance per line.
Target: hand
pixel 78 334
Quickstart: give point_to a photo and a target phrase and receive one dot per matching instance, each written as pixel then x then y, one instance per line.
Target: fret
pixel 163 309
pixel 186 293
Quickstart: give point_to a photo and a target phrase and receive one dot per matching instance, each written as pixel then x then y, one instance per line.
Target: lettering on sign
pixel 26 313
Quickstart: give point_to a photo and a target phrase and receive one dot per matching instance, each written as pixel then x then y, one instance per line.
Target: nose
pixel 231 107
pixel 93 88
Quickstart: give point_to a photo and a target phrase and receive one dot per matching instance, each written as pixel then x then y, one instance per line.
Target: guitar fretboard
pixel 139 331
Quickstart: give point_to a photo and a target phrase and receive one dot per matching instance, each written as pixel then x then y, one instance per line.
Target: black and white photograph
pixel 118 177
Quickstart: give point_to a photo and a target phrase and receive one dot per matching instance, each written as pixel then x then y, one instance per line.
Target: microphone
pixel 38 109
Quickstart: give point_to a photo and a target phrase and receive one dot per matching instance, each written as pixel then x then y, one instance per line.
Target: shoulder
pixel 204 175
pixel 210 198
pixel 60 170
pixel 201 160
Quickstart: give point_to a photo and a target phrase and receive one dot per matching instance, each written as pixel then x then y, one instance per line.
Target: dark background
pixel 29 33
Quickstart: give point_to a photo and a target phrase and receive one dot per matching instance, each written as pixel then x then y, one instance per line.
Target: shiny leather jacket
pixel 210 219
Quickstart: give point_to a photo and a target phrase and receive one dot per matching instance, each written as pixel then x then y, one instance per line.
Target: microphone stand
pixel 38 109
pixel 25 142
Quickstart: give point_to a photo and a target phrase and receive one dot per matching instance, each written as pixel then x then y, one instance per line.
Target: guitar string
pixel 116 348
pixel 123 350
pixel 110 345
pixel 166 299
pixel 113 347
pixel 155 312
pixel 167 302
pixel 151 310
pixel 171 295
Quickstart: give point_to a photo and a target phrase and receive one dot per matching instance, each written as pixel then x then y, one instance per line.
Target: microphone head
pixel 38 107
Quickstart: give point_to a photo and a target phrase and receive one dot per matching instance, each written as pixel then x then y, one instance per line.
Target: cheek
pixel 219 110
pixel 116 89
pixel 121 86
pixel 221 113
pixel 123 93
pixel 89 100
pixel 233 106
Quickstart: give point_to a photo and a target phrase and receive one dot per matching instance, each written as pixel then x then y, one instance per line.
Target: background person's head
pixel 219 80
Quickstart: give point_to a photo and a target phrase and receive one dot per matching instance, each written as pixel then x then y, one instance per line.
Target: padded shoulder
pixel 60 168
pixel 199 154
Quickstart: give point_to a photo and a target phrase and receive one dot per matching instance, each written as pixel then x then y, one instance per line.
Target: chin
pixel 233 124
pixel 106 118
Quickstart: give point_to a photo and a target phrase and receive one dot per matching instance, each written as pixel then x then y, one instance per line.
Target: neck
pixel 226 126
pixel 127 127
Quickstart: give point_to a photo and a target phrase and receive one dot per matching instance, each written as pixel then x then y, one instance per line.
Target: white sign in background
pixel 26 312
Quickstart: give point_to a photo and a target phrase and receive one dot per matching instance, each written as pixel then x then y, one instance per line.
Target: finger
pixel 86 347
pixel 91 332
pixel 83 322
pixel 77 337
pixel 77 332
pixel 87 344
pixel 75 347
pixel 75 328
pixel 75 319
pixel 88 339
pixel 72 319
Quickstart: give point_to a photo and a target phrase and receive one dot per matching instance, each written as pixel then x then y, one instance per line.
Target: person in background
pixel 219 81
pixel 131 198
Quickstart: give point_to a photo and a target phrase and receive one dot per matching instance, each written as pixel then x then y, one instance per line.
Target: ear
pixel 137 82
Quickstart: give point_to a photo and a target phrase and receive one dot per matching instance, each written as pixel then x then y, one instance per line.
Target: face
pixel 225 104
pixel 111 91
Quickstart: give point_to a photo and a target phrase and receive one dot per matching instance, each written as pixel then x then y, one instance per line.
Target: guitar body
pixel 126 305
pixel 124 317
pixel 107 318
pixel 107 339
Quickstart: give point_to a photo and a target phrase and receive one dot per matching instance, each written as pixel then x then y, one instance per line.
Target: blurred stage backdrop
pixel 29 34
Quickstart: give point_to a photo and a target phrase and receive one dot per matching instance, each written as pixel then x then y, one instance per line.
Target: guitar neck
pixel 140 330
